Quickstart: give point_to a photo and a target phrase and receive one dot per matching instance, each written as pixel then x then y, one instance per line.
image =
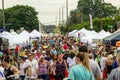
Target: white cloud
pixel 114 2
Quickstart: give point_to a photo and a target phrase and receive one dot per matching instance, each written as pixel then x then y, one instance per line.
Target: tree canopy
pixel 80 16
pixel 86 7
pixel 21 16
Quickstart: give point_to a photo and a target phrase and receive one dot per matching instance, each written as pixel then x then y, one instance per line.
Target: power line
pixel 51 22
pixel 49 13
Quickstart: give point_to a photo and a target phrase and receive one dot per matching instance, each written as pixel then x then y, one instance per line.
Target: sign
pixel 91 21
pixel 110 26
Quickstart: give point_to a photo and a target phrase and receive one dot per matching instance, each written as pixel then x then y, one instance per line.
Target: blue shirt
pixel 79 72
pixel 51 41
pixel 54 51
pixel 115 64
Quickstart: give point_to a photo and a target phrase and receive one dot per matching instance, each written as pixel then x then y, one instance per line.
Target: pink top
pixel 37 56
pixel 43 68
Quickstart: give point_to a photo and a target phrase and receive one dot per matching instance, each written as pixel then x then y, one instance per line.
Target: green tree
pixel 0 18
pixel 118 13
pixel 93 7
pixel 109 10
pixel 21 16
pixel 77 17
pixel 87 7
pixel 106 22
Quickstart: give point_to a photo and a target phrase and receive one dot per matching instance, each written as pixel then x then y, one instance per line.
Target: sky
pixel 48 10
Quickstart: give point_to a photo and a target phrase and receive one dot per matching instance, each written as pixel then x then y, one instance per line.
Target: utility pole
pixel 3 14
pixel 40 27
pixel 67 10
pixel 56 19
pixel 62 15
pixel 101 15
pixel 59 15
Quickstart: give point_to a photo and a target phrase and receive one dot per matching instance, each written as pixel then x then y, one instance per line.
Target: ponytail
pixel 84 59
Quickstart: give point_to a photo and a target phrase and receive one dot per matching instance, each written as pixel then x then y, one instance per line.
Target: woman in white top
pixel 71 60
pixel 22 68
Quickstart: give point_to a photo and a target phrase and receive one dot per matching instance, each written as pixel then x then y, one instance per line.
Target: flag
pixel 91 22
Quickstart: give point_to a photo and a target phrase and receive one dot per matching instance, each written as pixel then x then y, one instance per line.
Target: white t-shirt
pixel 71 62
pixel 22 68
pixel 33 64
pixel 102 63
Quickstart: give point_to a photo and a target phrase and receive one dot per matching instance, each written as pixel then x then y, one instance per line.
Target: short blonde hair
pixel 110 56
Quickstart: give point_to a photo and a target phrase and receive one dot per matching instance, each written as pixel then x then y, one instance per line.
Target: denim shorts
pixel 45 77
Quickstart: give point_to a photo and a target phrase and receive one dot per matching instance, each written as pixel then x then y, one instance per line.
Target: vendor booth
pixel 4 43
pixel 113 38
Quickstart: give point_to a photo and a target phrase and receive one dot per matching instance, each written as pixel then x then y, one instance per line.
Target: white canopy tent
pixel 35 34
pixel 108 33
pixel 13 40
pixel 90 37
pixel 90 33
pixel 73 34
pixel 19 37
pixel 102 34
pixel 81 32
pixel 86 40
pixel 70 34
pixel 25 35
pixel 14 33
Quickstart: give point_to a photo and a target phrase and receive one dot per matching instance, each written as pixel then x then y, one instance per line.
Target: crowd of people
pixel 60 58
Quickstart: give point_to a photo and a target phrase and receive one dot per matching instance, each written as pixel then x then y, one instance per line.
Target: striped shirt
pixel 115 74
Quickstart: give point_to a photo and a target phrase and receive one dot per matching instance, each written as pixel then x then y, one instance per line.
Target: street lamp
pixel 3 15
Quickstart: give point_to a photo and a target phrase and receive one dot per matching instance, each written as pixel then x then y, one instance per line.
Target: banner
pixel 91 22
